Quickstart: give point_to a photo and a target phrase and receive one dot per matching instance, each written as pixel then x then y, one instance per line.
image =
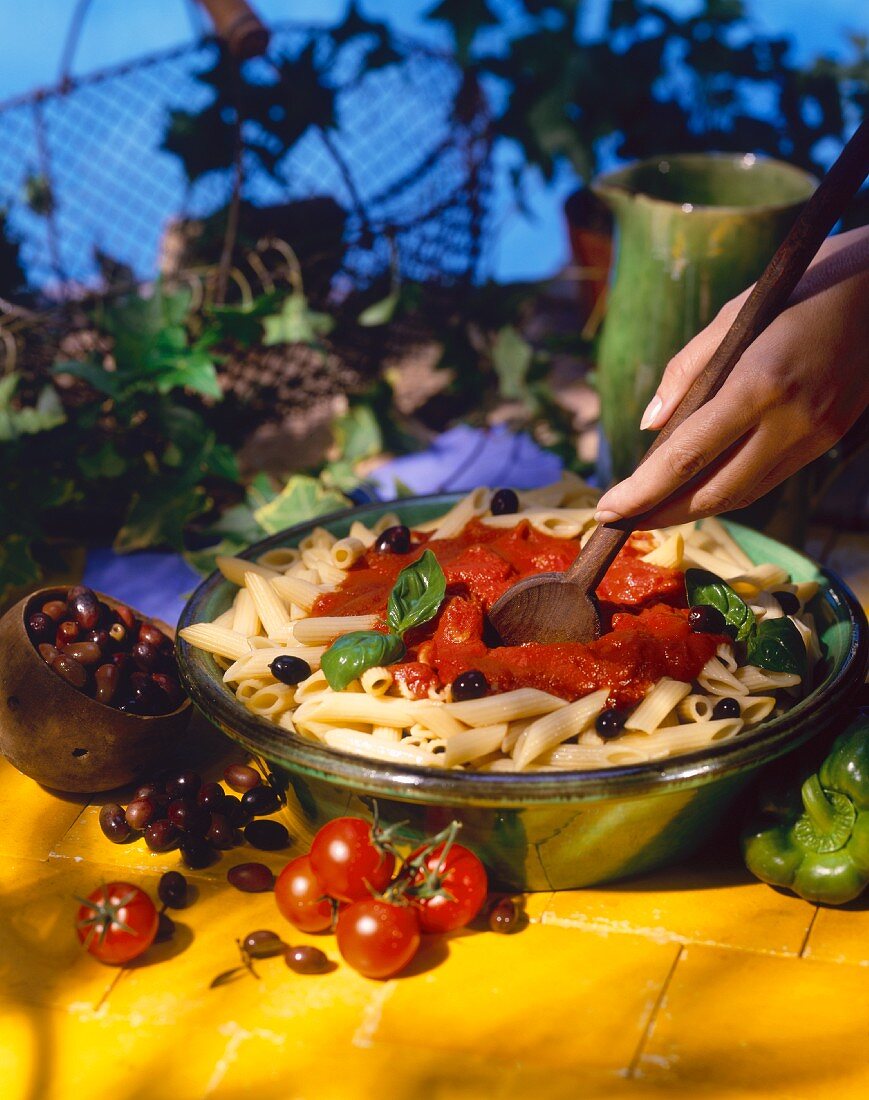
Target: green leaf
pixel 417 594
pixel 301 499
pixel 402 489
pixel 341 476
pixel 296 323
pixel 347 658
pixel 357 434
pixel 18 569
pixel 104 462
pixel 159 513
pixel 705 589
pixel 511 357
pixel 194 371
pixel 46 414
pixel 102 380
pixel 778 646
pixel 38 195
pixel 379 313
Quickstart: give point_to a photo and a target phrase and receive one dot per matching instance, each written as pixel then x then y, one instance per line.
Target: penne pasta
pixel 271 611
pixel 657 705
pixel 558 726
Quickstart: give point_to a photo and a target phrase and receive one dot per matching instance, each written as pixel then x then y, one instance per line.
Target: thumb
pixel 687 364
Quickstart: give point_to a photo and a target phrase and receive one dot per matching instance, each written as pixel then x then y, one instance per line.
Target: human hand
pixel 793 394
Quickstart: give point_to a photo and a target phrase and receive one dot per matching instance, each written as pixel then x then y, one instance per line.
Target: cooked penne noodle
pixel 757 681
pixel 695 708
pixel 257 662
pixel 472 743
pixel 386 733
pixel 319 537
pixel 341 706
pixel 376 681
pixel 225 618
pixel 234 569
pixel 362 744
pixel 716 563
pixel 346 552
pixel 362 534
pixel 279 558
pixel 552 729
pixel 245 619
pixel 293 589
pixel 272 613
pixel 474 504
pixel 247 688
pixel 669 554
pixel 754 708
pixel 438 719
pixel 522 703
pixel 322 629
pixel 726 543
pixel 216 639
pixel 660 701
pixel 717 679
pixel 271 699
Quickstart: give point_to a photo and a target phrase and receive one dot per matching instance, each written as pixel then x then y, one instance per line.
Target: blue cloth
pixel 159 584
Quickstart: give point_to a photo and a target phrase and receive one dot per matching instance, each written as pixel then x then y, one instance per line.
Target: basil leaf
pixel 417 594
pixel 705 589
pixel 778 646
pixel 348 657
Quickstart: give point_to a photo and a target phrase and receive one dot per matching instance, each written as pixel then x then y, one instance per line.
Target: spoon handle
pixel 765 302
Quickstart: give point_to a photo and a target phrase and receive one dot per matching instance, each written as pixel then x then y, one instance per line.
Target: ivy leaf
pixel 379 313
pixel 301 499
pixel 195 371
pixel 705 589
pixel 778 646
pixel 96 375
pixel 511 357
pixel 203 142
pixel 296 323
pixel 417 594
pixel 47 413
pixel 105 462
pixel 159 513
pixel 348 657
pixel 357 434
pixel 341 476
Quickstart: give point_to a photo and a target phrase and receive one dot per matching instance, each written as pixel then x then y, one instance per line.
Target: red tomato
pixel 463 877
pixel 347 862
pixel 301 898
pixel 376 937
pixel 117 922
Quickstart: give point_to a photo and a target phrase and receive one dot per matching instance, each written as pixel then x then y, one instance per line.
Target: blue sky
pixel 32 37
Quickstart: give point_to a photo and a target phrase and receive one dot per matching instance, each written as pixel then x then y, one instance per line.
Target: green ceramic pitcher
pixel 692 231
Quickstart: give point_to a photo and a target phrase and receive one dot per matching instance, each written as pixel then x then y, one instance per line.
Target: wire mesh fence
pixel 86 184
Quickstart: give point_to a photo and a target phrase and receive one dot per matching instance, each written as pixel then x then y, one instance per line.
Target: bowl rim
pixel 296 753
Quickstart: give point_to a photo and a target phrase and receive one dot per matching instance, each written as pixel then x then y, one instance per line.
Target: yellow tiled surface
pixel 692 982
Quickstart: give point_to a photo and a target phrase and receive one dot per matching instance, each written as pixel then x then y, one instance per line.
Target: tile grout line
pixel 805 943
pixel 653 1016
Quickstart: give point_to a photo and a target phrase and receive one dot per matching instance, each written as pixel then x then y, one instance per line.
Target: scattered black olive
pixel 289 669
pixel 504 916
pixel 394 540
pixel 141 812
pixel 189 817
pixel 41 628
pixel 172 890
pixel 788 602
pixel 211 796
pixel 260 801
pixel 237 815
pixel 306 960
pixel 610 723
pixel 113 822
pixel 726 708
pixel 162 835
pixel 469 685
pixel 268 836
pixel 704 619
pixel 241 777
pixel 251 878
pixel 221 832
pixel 263 944
pixel 196 852
pixel 504 503
pixel 183 784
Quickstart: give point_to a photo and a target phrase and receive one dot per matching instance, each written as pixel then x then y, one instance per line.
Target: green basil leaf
pixel 778 646
pixel 706 589
pixel 347 658
pixel 417 594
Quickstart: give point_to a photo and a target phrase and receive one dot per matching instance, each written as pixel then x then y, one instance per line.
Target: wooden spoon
pixel 561 607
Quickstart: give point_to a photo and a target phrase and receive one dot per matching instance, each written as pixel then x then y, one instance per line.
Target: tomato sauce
pixel 643 610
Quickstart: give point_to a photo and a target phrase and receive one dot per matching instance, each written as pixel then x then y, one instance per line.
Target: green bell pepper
pixel 816 841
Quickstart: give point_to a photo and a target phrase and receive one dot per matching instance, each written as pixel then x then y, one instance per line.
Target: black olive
pixel 260 801
pixel 196 852
pixel 704 619
pixel 289 669
pixel 394 540
pixel 172 889
pixel 788 602
pixel 41 627
pixel 726 708
pixel 268 836
pixel 504 503
pixel 469 685
pixel 610 723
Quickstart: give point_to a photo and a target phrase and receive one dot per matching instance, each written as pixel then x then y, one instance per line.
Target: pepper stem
pixel 818 807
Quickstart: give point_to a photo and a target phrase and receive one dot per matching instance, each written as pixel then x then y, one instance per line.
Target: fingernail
pixel 606 516
pixel 651 413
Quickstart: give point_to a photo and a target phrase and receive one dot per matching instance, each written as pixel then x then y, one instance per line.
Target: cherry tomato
pixel 117 922
pixel 376 937
pixel 347 862
pixel 463 877
pixel 301 898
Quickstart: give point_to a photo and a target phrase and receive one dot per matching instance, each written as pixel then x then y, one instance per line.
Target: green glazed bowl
pixel 544 830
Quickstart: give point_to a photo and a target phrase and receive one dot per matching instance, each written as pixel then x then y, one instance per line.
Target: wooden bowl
pixel 61 737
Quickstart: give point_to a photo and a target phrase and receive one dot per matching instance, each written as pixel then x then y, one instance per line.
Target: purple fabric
pixel 460 459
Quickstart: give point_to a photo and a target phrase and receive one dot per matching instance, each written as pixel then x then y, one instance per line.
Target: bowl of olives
pixel 89 692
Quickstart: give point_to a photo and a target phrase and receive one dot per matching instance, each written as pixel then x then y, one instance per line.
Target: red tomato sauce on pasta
pixel 643 610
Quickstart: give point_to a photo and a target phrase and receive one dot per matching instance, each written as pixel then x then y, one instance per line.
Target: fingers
pixel 699 441
pixel 684 367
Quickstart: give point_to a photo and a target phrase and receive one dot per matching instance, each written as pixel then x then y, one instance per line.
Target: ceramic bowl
pixel 61 737
pixel 545 830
